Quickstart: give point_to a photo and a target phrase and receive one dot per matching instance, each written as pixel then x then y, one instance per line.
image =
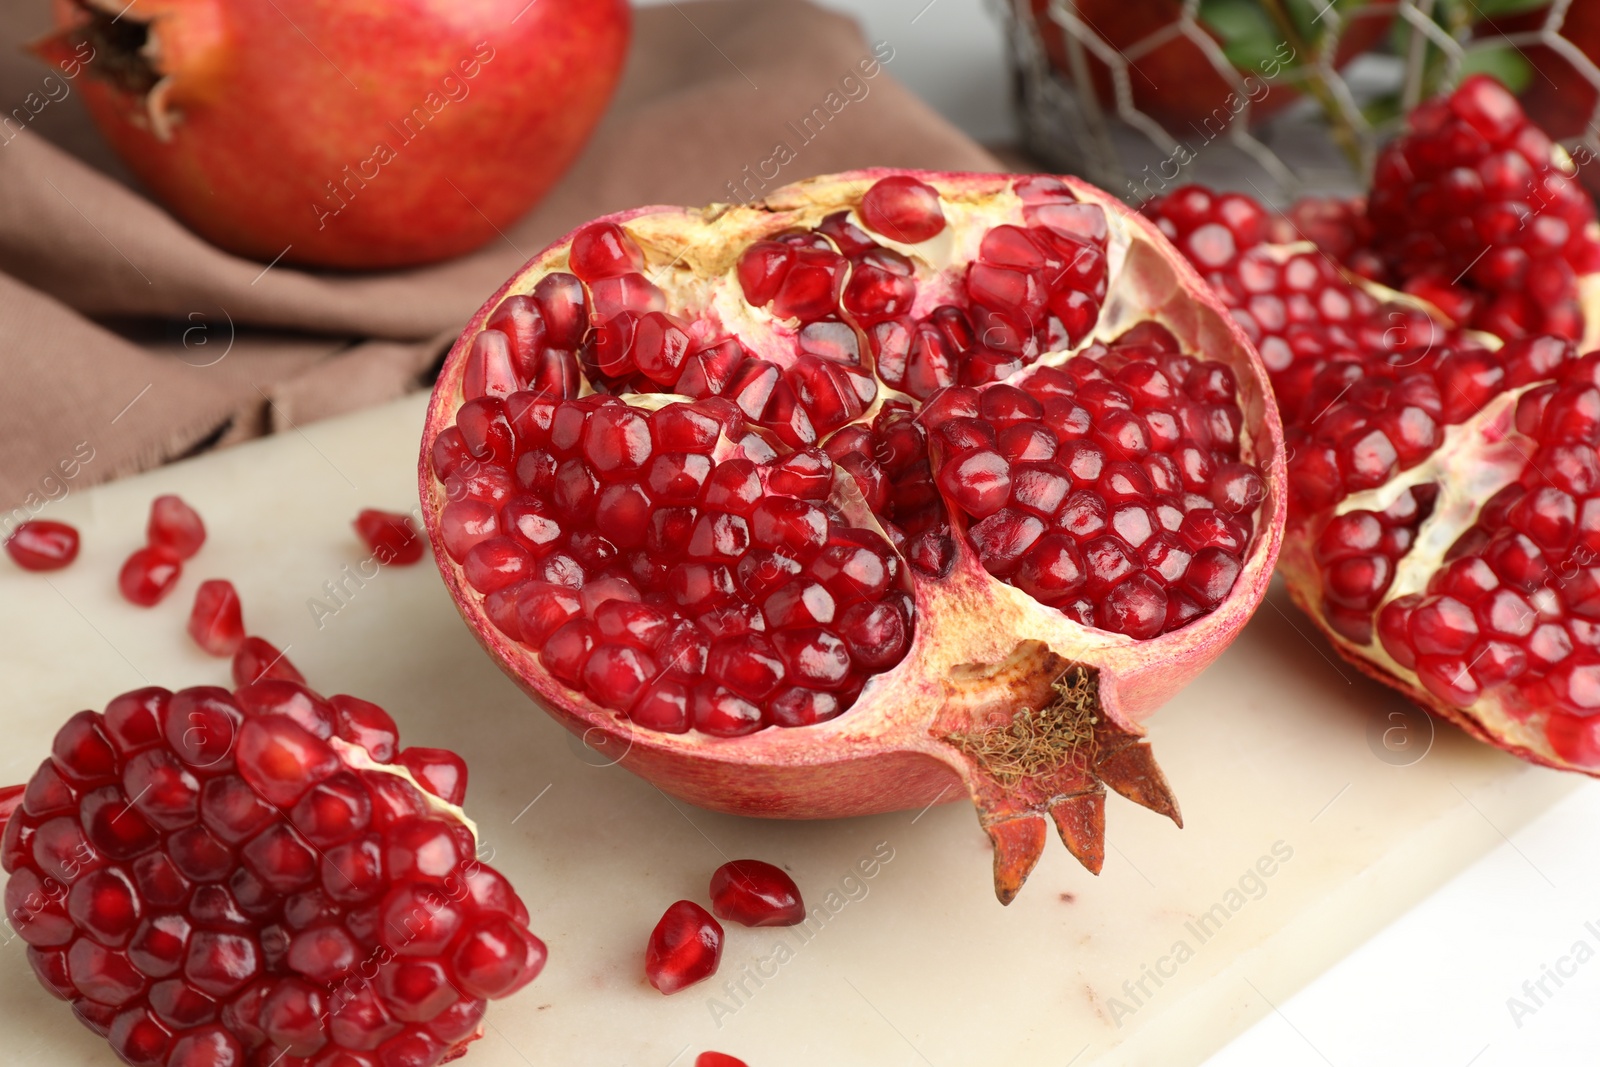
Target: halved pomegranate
pixel 1444 518
pixel 890 483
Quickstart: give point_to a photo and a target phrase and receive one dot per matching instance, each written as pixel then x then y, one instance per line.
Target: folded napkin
pixel 126 341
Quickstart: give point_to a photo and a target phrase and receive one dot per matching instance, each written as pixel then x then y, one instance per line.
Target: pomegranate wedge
pixel 891 484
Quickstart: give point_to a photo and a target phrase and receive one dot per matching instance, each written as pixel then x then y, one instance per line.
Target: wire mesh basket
pixel 1283 96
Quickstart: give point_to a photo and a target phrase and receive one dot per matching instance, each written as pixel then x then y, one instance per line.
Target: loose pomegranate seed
pixel 175 526
pixel 685 947
pixel 717 1059
pixel 257 660
pixel 390 536
pixel 43 545
pixel 753 893
pixel 149 575
pixel 217 622
pixel 219 884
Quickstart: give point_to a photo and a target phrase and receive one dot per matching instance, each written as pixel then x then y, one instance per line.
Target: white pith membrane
pixel 1034 711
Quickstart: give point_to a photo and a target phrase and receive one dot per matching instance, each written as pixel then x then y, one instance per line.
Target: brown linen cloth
pixel 125 337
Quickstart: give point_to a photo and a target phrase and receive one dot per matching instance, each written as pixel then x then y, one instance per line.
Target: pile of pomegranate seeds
pixel 684 948
pixel 229 878
pixel 174 534
pixel 730 534
pixel 394 541
pixel 1474 209
pixel 42 545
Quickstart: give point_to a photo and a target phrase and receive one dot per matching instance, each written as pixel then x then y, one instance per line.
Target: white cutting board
pixel 1277 748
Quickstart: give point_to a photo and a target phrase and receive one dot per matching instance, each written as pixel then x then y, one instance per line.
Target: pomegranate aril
pixel 684 948
pixel 754 893
pixel 903 209
pixel 42 545
pixel 175 526
pixel 390 536
pixel 149 575
pixel 257 660
pixel 216 622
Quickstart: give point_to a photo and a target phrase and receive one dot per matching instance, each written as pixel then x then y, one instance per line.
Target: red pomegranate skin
pixel 362 134
pixel 1175 82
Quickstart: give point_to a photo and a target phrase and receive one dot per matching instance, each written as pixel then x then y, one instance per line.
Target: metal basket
pixel 1067 125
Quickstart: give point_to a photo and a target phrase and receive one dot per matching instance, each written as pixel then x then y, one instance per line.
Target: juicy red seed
pixel 42 545
pixel 257 660
pixel 149 575
pixel 390 535
pixel 175 526
pixel 753 893
pixel 903 209
pixel 684 948
pixel 217 622
pixel 718 1059
pixel 604 250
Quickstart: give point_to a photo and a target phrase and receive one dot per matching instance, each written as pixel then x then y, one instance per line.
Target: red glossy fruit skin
pixel 809 774
pixel 509 93
pixel 1175 82
pixel 42 545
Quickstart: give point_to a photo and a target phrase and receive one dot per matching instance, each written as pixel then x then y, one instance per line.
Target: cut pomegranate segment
pixel 390 536
pixel 42 545
pixel 1012 473
pixel 684 948
pixel 1445 484
pixel 217 878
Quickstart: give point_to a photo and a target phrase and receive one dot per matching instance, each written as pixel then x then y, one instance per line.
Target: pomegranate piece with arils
pixel 973 464
pixel 753 893
pixel 1444 511
pixel 253 877
pixel 684 948
pixel 42 545
pixel 390 536
pixel 1476 210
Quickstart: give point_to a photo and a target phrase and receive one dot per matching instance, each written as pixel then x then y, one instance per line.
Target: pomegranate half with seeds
pixel 261 877
pixel 1444 509
pixel 890 484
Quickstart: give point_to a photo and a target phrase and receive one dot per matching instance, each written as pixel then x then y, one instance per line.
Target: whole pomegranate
pixel 260 877
pixel 1444 512
pixel 356 136
pixel 1170 72
pixel 892 483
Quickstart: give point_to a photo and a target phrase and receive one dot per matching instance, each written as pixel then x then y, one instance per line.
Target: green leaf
pixel 1505 63
pixel 1382 110
pixel 1249 37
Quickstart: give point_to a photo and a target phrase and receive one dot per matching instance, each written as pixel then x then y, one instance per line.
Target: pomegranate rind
pixel 893 750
